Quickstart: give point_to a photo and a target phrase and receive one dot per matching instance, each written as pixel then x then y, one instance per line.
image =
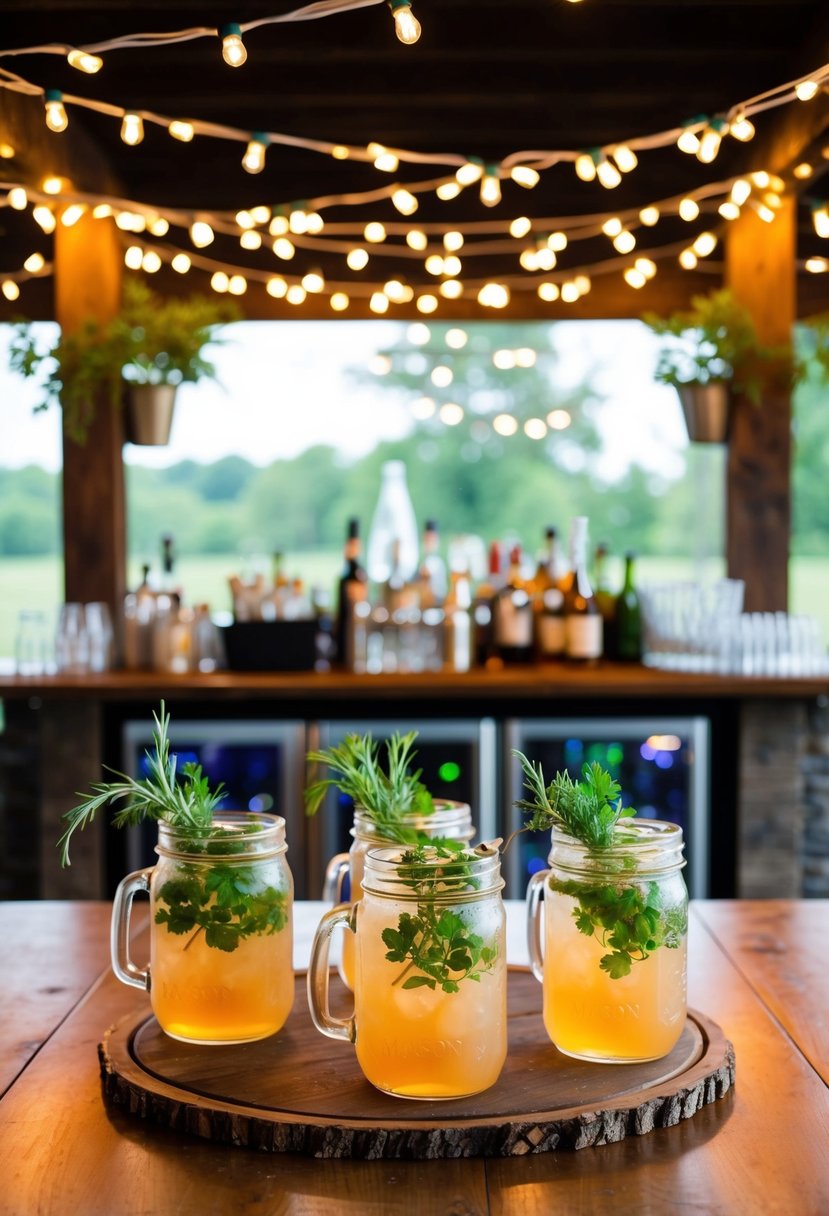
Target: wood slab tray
pixel 299 1092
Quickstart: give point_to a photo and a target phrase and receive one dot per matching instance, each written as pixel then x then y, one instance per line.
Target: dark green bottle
pixel 629 617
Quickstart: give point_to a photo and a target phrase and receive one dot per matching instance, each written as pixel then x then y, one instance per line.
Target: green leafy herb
pixel 228 904
pixel 588 810
pixel 436 942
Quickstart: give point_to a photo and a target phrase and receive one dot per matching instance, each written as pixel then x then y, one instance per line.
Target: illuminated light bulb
pixel 101 211
pixel 85 62
pixel 494 295
pixel 34 263
pixel 569 293
pixel 504 360
pixel 434 264
pixel 313 282
pixel 181 263
pixel 52 185
pixel 201 234
pixel 253 160
pixel 314 222
pixel 688 209
pixel 452 241
pixel 151 262
pixel 379 302
pixel 742 129
pixel 535 428
pixel 689 140
pixel 772 199
pixel 820 219
pixel 469 173
pixel 423 407
pixel 625 242
pixel 504 424
pixel 244 219
pixel 233 49
pixel 340 152
pixel 710 140
pixel 557 241
pixel 635 278
pixel 452 266
pixel 260 214
pixel 71 214
pixel 803 171
pixel 806 90
pixel 729 210
pixel 10 289
pixel 451 413
pixel 740 191
pixel 133 257
pixel 625 158
pixel 276 287
pixel 441 376
pixel 298 221
pixel 582 283
pixel 448 190
pixel 520 227
pixel 528 259
pixel 295 294
pixel 817 265
pixel 490 188
pixel 237 285
pixel 220 282
pixel 251 239
pixel 383 159
pixel 705 243
pixel 608 174
pixel 18 199
pixel 397 292
pixel 125 220
pixel 406 25
pixel 182 131
pixel 559 420
pixel 585 166
pixel 45 218
pixel 761 179
pixel 688 259
pixel 427 303
pixel 339 301
pixel 6 152
pixel 356 259
pixel 132 129
pixel 158 226
pixel 456 339
pixel 766 214
pixel 278 226
pixel 374 233
pixel 649 216
pixel 548 292
pixel 418 334
pixel 612 227
pixel 283 248
pixel 404 201
pixel 525 356
pixel 524 176
pixel 545 258
pixel 56 118
pixel 416 239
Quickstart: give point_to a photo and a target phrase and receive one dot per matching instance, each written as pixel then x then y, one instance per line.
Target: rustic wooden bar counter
pixel 757 968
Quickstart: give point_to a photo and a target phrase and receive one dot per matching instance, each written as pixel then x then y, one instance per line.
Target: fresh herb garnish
pixel 628 919
pixel 436 941
pixel 229 903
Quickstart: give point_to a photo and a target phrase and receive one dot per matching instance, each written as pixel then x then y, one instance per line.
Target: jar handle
pixel 535 900
pixel 318 974
pixel 119 938
pixel 335 872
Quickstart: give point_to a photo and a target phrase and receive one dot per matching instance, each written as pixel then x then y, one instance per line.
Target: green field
pixel 36 583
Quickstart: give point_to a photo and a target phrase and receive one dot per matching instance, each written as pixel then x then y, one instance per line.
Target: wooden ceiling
pixel 487 78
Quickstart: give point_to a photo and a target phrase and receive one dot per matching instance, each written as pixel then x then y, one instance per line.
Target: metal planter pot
pixel 149 413
pixel 707 410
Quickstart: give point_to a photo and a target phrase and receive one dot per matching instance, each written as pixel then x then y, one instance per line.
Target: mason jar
pixel 221 965
pixel 613 966
pixel 452 820
pixel 430 973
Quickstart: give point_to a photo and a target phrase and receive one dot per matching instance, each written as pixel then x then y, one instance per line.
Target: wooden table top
pixel 757 968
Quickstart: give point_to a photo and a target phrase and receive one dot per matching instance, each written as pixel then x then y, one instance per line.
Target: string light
pixel 44 216
pixel 494 295
pixel 612 227
pixel 339 301
pixel 535 428
pixel 803 171
pixel 56 117
pixel 766 214
pixel 624 157
pixel 710 140
pixel 427 303
pixel 559 420
pixel 181 263
pixel 132 129
pixel 34 263
pixel 276 287
pixel 452 241
pixel 182 131
pixel 625 242
pixel 406 25
pixel 557 241
pixel 52 185
pixel 820 219
pixel 688 259
pixel 253 160
pixel 220 282
pixel 649 216
pixel 201 234
pixel 283 248
pixel 237 285
pixel 71 214
pixel 688 209
pixel 570 292
pixel 817 265
pixel 805 90
pixel 251 239
pixel 10 289
pixel 6 152
pixel 452 266
pixel 585 166
pixel 740 191
pixel 607 173
pixel 133 257
pixel 451 413
pixel 84 62
pixel 295 294
pixel 356 259
pixel 313 282
pixel 520 227
pixel 688 140
pixel 384 160
pixel 704 244
pixel 470 172
pixel 151 262
pixel 340 152
pixel 374 233
pixel 397 292
pixel 524 176
pixel 404 201
pixel 18 199
pixel 417 240
pixel 548 292
pixel 434 264
pixel 451 289
pixel 278 225
pixel 490 187
pixel 504 424
pixel 379 302
pixel 729 210
pixel 233 48
pixel 447 191
pixel 742 128
pixel 456 339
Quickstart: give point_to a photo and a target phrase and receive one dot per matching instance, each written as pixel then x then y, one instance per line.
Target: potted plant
pixel 137 360
pixel 711 352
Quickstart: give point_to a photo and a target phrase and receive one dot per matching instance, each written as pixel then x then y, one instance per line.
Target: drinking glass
pixel 100 636
pixel 72 640
pixel 31 643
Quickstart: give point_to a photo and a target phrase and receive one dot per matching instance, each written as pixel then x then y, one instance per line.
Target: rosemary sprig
pixel 587 809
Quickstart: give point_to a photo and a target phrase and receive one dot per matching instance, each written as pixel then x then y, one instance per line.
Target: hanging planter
pixel 707 410
pixel 148 413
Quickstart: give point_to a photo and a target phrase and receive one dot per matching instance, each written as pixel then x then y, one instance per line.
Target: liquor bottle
pixel 582 619
pixel 393 519
pixel 485 592
pixel 352 590
pixel 457 623
pixel 512 615
pixel 629 617
pixel 605 599
pixel 431 575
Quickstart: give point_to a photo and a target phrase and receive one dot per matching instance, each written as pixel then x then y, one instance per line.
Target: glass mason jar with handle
pixel 450 820
pixel 430 1011
pixel 613 964
pixel 221 965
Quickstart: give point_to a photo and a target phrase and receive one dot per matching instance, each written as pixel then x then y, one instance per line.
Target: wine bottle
pixel 352 589
pixel 629 616
pixel 582 619
pixel 605 599
pixel 512 615
pixel 431 575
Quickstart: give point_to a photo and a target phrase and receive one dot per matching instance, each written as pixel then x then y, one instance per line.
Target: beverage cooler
pixel 661 763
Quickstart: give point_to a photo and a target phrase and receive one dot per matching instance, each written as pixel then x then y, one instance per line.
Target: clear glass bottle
pixel 221 961
pixel 393 519
pixel 432 1032
pixel 582 620
pixel 615 930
